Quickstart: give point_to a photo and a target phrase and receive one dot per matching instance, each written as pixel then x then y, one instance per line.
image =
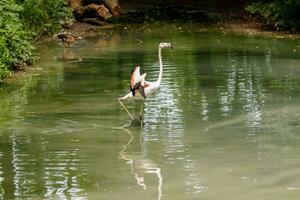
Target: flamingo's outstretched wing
pixel 141 87
pixel 135 77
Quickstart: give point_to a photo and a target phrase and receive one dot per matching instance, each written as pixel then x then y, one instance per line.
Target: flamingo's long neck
pixel 160 67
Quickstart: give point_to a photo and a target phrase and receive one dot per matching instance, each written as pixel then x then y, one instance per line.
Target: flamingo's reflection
pixel 140 165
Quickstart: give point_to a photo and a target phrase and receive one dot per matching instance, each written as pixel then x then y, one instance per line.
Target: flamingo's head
pixel 165 45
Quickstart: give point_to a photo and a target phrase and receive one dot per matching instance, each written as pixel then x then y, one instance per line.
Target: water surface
pixel 225 123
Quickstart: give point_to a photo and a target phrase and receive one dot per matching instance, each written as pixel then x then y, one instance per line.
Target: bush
pixel 4 72
pixel 282 15
pixel 21 22
pixel 15 47
pixel 45 17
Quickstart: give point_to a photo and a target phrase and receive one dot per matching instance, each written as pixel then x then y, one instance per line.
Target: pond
pixel 224 124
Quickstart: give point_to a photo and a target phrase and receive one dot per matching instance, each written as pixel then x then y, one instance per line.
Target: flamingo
pixel 139 87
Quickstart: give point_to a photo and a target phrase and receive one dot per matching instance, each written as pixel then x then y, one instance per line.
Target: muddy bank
pixel 251 27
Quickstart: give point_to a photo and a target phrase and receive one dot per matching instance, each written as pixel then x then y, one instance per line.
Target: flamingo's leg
pixel 141 115
pixel 128 124
pixel 125 108
pixel 142 111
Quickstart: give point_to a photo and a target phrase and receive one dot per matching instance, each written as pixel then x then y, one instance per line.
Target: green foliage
pixel 4 72
pixel 282 14
pixel 15 47
pixel 23 20
pixel 45 17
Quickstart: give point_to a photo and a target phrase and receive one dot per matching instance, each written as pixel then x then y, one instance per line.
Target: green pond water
pixel 225 123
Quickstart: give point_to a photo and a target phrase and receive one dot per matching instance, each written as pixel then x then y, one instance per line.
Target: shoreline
pixel 244 27
pixel 249 27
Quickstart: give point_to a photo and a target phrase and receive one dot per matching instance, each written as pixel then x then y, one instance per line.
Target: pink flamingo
pixel 139 87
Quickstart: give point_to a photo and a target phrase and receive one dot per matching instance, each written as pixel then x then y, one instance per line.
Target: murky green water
pixel 225 123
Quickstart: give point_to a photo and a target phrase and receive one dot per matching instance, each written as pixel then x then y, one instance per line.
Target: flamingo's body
pixel 137 80
pixel 139 86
